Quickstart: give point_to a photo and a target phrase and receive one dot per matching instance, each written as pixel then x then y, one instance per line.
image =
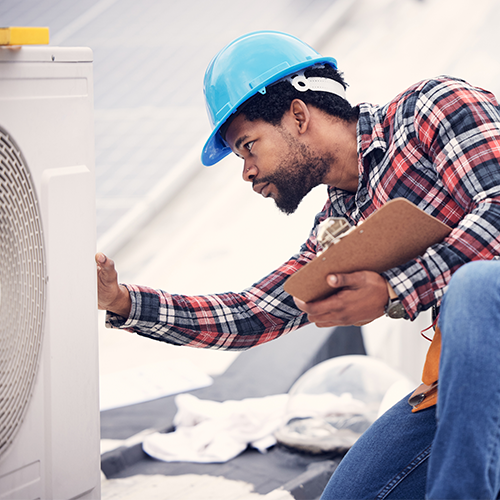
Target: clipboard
pixel 393 235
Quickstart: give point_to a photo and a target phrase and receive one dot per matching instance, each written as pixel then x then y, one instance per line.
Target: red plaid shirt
pixel 437 145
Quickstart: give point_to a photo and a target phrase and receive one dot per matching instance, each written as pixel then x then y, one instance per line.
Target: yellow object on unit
pixel 24 36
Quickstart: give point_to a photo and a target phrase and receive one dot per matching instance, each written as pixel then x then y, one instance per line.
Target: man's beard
pixel 295 176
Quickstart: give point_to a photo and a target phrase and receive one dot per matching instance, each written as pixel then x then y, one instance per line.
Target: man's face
pixel 277 164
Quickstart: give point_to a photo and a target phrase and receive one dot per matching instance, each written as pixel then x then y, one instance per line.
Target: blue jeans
pixel 451 451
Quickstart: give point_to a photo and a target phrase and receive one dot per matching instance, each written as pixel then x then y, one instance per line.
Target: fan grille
pixel 22 288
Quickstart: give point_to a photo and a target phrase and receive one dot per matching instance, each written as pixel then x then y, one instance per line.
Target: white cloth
pixel 209 431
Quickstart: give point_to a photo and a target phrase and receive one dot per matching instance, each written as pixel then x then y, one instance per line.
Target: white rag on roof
pixel 210 431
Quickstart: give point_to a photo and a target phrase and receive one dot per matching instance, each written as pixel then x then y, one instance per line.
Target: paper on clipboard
pixel 396 233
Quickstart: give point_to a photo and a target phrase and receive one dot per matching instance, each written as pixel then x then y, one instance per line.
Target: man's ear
pixel 300 114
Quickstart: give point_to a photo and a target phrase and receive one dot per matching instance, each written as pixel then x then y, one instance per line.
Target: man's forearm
pixel 122 304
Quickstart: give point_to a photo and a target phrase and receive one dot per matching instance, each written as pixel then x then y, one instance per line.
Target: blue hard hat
pixel 244 67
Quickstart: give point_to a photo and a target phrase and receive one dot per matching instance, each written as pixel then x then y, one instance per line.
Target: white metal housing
pixel 49 408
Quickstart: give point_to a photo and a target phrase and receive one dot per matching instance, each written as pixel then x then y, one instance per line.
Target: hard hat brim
pixel 215 148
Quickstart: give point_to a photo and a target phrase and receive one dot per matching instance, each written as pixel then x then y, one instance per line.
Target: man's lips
pixel 262 188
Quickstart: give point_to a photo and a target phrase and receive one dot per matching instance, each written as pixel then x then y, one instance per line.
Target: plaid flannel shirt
pixel 437 145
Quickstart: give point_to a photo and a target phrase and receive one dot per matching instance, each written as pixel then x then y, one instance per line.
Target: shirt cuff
pixel 411 284
pixel 116 321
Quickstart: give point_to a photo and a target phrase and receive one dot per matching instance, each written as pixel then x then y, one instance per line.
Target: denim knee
pixel 479 271
pixel 469 318
pixel 475 284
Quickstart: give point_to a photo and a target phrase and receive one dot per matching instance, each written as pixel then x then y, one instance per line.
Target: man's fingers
pixel 107 281
pixel 338 281
pixel 333 280
pixel 332 303
pixel 346 280
pixel 300 304
pixel 100 258
pixel 104 262
pixel 111 296
pixel 105 267
pixel 357 298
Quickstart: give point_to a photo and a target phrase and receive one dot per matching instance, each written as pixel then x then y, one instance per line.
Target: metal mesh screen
pixel 22 288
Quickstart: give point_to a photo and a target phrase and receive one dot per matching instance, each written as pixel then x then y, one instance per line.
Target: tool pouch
pixel 425 395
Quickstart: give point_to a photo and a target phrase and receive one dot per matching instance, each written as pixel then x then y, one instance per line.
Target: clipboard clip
pixel 331 231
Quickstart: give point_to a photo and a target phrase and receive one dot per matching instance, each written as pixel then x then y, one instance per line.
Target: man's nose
pixel 250 171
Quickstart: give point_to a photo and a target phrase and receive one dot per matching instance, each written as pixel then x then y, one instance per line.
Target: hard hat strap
pixel 314 83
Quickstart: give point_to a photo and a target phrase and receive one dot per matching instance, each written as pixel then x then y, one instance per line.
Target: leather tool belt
pixel 425 395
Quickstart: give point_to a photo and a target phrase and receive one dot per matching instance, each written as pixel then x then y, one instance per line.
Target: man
pixel 281 107
pixel 458 457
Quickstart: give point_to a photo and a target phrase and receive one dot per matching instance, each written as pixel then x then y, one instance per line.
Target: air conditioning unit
pixel 49 408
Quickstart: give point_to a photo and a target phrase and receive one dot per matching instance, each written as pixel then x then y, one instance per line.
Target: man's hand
pixel 357 299
pixel 111 296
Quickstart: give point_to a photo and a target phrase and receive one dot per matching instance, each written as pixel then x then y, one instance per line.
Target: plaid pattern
pixel 438 145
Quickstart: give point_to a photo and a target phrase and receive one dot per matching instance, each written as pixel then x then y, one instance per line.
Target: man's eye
pixel 249 145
